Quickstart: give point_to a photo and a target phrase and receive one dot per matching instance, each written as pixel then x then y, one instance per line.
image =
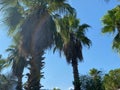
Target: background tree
pixel 112 80
pixel 93 81
pixel 86 82
pixel 97 79
pixel 56 89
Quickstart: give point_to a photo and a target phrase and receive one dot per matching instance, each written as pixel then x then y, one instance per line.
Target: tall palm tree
pixel 41 37
pixel 111 24
pixel 34 20
pixel 71 38
pixel 18 64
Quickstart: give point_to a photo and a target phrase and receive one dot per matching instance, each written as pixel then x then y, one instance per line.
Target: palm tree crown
pixel 71 37
pixel 111 22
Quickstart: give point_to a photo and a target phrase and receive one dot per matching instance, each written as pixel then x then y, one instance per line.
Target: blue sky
pixel 101 56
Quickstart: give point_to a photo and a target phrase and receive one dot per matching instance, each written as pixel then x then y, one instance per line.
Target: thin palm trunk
pixel 76 81
pixel 18 68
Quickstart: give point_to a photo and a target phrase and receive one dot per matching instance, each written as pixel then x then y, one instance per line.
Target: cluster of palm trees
pixel 36 25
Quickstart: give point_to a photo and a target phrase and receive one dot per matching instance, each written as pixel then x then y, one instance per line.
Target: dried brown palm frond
pixel 73 49
pixel 37 32
pixel 67 48
pixel 43 35
pixel 26 33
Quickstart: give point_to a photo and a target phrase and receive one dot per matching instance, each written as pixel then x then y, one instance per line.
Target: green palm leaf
pixel 111 23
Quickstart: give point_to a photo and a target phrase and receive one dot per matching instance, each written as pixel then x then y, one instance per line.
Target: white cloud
pixel 70 88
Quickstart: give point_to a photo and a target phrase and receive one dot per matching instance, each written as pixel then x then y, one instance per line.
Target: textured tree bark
pixel 76 81
pixel 35 75
pixel 19 83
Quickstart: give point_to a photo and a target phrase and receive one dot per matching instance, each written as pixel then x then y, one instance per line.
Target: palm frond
pixel 3 63
pixel 86 41
pixel 73 37
pixel 6 3
pixel 108 29
pixel 18 62
pixel 7 81
pixel 62 8
pixel 80 35
pixel 68 51
pixel 58 42
pixel 111 24
pixel 78 47
pixel 84 27
pixel 110 20
pixel 116 43
pixel 13 19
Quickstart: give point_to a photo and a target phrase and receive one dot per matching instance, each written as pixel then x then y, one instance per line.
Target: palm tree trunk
pixel 19 83
pixel 35 75
pixel 76 81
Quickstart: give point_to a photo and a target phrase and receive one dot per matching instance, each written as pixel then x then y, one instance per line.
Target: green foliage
pixel 86 82
pixel 80 33
pixel 69 40
pixel 56 89
pixel 71 34
pixel 18 62
pixel 97 81
pixel 7 82
pixel 93 81
pixel 111 19
pixel 111 24
pixel 3 63
pixel 112 80
pixel 94 73
pixel 33 22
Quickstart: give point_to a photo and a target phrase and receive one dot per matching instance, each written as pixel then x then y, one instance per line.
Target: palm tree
pixel 34 20
pixel 95 73
pixel 96 79
pixel 41 37
pixel 111 80
pixel 18 64
pixel 70 39
pixel 56 89
pixel 111 24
